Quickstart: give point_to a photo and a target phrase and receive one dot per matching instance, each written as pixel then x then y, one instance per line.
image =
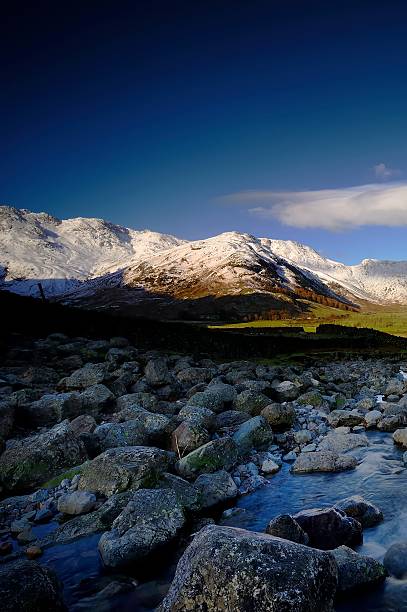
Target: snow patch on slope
pixel 62 254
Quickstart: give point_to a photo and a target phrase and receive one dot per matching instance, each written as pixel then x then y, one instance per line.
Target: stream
pixel 380 477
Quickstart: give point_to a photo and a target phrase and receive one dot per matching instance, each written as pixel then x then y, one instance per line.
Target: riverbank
pixel 115 457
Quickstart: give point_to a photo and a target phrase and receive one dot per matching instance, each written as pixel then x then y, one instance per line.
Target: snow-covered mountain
pixel 62 254
pixel 83 256
pixel 229 264
pixel 373 280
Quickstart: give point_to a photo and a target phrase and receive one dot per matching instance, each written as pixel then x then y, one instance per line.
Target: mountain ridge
pixel 79 254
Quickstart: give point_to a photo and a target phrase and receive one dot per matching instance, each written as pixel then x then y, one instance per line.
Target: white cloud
pixel 331 209
pixel 383 172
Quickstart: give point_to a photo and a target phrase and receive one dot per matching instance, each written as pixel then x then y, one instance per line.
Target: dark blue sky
pixel 145 113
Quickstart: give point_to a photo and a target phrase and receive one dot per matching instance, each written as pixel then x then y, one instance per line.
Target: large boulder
pixel 311 398
pixel 254 433
pixel 233 569
pixel 215 488
pixel 356 571
pixel 323 461
pixel 31 461
pixel 120 469
pixel 284 526
pixel 396 386
pixel 279 416
pixel 211 457
pixel 328 527
pixel 151 519
pixel 26 586
pixel 372 418
pixel 362 510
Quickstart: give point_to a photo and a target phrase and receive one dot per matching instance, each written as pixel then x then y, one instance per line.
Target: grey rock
pixel 201 416
pixel 114 435
pixel 395 560
pixel 151 519
pixel 216 397
pixel 232 569
pixel 279 416
pixel 287 391
pixel 156 372
pixel 362 510
pixel 355 571
pixel 254 433
pixel 27 586
pixel 284 526
pixel 84 423
pixel 323 461
pixel 194 376
pixel 230 420
pixel 338 418
pixel 53 408
pixel 400 437
pixel 251 402
pixel 33 460
pixel 211 457
pixel 119 469
pixel 215 488
pixel 90 374
pixel 188 436
pixel 328 528
pixel 78 502
pixel 7 415
pixel 97 398
pixel 187 494
pixel 341 443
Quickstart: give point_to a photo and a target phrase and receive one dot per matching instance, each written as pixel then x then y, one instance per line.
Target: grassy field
pixel 392 320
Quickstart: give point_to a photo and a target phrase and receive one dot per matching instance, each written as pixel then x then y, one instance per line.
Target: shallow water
pixel 380 477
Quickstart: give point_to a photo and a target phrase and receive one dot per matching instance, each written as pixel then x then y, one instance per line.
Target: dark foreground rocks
pixel 233 569
pixel 31 461
pixel 26 586
pixel 144 448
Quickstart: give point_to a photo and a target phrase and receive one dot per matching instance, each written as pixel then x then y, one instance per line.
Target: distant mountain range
pixel 87 259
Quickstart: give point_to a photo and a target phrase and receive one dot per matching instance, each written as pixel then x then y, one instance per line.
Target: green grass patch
pixel 391 321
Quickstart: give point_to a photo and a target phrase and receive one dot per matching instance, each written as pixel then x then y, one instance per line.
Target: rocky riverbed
pixel 133 479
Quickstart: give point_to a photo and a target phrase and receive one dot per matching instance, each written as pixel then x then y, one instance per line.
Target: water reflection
pixel 380 477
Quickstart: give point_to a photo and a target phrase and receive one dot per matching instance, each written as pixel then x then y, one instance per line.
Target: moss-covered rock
pixel 31 461
pixel 211 457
